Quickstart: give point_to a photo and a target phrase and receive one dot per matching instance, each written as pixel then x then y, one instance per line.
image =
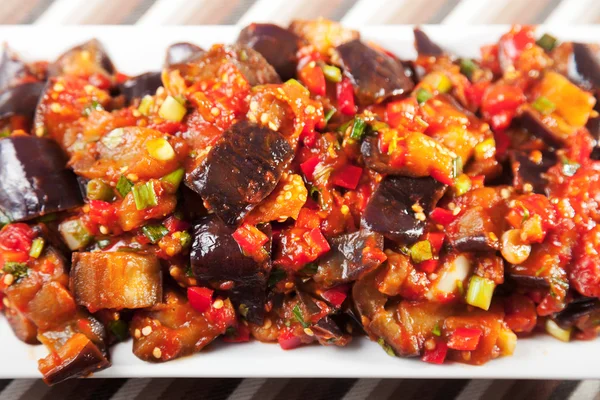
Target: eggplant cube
pixel 116 280
pixel 34 179
pixel 241 170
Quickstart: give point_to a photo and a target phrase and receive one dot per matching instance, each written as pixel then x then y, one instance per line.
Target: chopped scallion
pixel 37 246
pixel 467 67
pixel 16 269
pixel 480 292
pixel 154 232
pixel 124 186
pixel 436 330
pixel 421 251
pixel 330 113
pixel 423 95
pixel 310 269
pixel 144 195
pixel 547 42
pixel 97 189
pixel 444 84
pixel 185 238
pixel 386 347
pixel 543 105
pixel 561 334
pixel 119 329
pixel 160 149
pixel 462 184
pixel 172 110
pixel 277 275
pixel 146 105
pixel 358 128
pixel 75 234
pixel 173 179
pixel 332 73
pixel 298 315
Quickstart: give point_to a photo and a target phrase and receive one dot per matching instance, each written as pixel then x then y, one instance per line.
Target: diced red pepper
pixel 241 335
pixel 101 81
pixel 313 77
pixel 500 103
pixel 200 298
pixel 436 239
pixel 502 120
pixel 102 212
pixel 174 224
pixel 168 127
pixel 442 177
pixel 465 339
pixel 428 266
pixel 309 137
pixel 514 42
pixel 347 177
pixel 336 295
pixel 318 242
pixel 345 97
pixel 287 340
pixel 441 216
pixel 250 238
pixel 437 355
pixel 475 91
pixel 16 237
pixel 308 167
pixel 502 142
pixel 308 218
pixel 477 181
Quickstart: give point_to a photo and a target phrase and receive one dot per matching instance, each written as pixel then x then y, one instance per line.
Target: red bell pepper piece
pixel 428 266
pixel 313 77
pixel 437 355
pixel 441 216
pixel 318 242
pixel 477 181
pixel 174 224
pixel 16 237
pixel 347 177
pixel 102 212
pixel 309 137
pixel 308 167
pixel 308 218
pixel 499 104
pixel 512 44
pixel 442 177
pixel 345 97
pixel 436 239
pixel 200 298
pixel 465 339
pixel 249 238
pixel 287 340
pixel 241 334
pixel 336 295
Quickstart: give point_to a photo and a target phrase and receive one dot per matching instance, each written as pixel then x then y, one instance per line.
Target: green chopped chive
pixel 243 309
pixel 37 246
pixel 421 251
pixel 145 105
pixel 358 128
pixel 310 269
pixel 569 167
pixel 377 126
pixel 462 184
pixel 444 84
pixel 456 167
pixel 185 239
pixel 547 42
pixel 144 195
pixel 559 333
pixel 293 82
pixel 330 113
pixel 423 95
pixel 480 292
pixel 386 347
pixel 16 269
pixel 461 287
pixel 97 189
pixel 124 186
pixel 277 275
pixel 525 214
pixel 154 232
pixel 314 193
pixel 103 243
pixel 120 329
pixel 344 127
pixel 75 234
pixel 467 67
pixel 543 105
pixel 93 106
pixel 332 73
pixel 174 178
pixel 436 330
pixel 172 109
pixel 298 315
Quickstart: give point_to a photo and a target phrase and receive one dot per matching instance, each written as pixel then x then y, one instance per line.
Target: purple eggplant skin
pixel 241 170
pixel 425 46
pixel 584 65
pixel 390 212
pixel 276 44
pixel 182 52
pixel 217 258
pixel 21 99
pixel 141 85
pixel 344 262
pixel 531 121
pixel 374 75
pixel 574 311
pixel 528 281
pixel 593 126
pixel 96 53
pixel 526 171
pixel 34 179
pixel 11 68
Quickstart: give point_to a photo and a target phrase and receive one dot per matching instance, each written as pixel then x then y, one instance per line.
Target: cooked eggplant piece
pixel 115 280
pixel 276 44
pixel 574 311
pixel 22 327
pixel 21 99
pixel 177 329
pixel 34 179
pixel 216 258
pixel 241 170
pixel 348 258
pixel 328 332
pixel 78 357
pixel 525 170
pixel 425 46
pixel 375 75
pixel 82 322
pixel 374 158
pixel 11 68
pixel 584 65
pixel 390 212
pixel 533 122
pixel 141 85
pixel 593 126
pixel 182 52
pixel 84 60
pixel 528 281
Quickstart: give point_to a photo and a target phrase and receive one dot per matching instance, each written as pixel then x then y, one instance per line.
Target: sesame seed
pixel 218 304
pixel 309 332
pixel 505 193
pixel 6 302
pixel 103 229
pixel 309 109
pixel 9 279
pixel 287 187
pixel 264 118
pixel 253 105
pixel 528 188
pixel 137 334
pixel 289 285
pixel 267 323
pixel 302 197
pixel 55 107
pixel 156 352
pixel 288 195
pixel 456 211
pixel 39 131
pixel 58 87
pixel 132 177
pixel 451 206
pixel 493 236
pixel 430 344
pixel 215 111
pixel 146 330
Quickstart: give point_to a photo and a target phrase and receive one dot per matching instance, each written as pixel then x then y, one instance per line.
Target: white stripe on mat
pixel 131 389
pixel 247 389
pixel 361 389
pixel 371 12
pixel 165 12
pixel 17 388
pixel 474 12
pixel 70 12
pixel 586 390
pixel 574 12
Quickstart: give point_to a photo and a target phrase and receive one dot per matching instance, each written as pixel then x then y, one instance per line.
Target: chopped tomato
pixel 250 238
pixel 442 216
pixel 308 167
pixel 239 333
pixel 287 340
pixel 336 295
pixel 347 177
pixel 16 237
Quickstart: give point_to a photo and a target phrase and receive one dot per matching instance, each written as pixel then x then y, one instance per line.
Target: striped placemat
pixel 352 12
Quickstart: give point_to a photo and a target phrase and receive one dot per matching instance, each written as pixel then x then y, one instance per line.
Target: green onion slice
pixel 543 105
pixel 144 195
pixel 358 128
pixel 124 186
pixel 547 42
pixel 154 232
pixel 332 73
pixel 37 246
pixel 423 95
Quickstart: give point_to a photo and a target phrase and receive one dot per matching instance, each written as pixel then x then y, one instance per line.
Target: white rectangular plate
pixel 140 49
